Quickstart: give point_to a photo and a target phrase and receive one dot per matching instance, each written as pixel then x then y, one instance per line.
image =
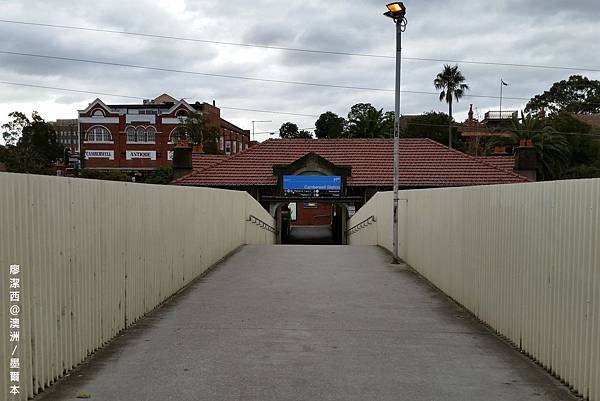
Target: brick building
pixel 67 133
pixel 140 137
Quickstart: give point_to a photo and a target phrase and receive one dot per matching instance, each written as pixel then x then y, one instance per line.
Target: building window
pixel 148 112
pixel 221 143
pixel 150 134
pixel 140 134
pixel 234 147
pixel 98 134
pixel 181 113
pixel 228 147
pixel 131 134
pixel 175 136
pixel 98 113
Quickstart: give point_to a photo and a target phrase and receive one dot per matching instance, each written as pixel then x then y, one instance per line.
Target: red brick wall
pixel 320 215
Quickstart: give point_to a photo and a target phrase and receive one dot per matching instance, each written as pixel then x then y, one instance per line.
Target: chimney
pixel 182 159
pixel 500 151
pixel 526 160
pixel 470 120
pixel 214 103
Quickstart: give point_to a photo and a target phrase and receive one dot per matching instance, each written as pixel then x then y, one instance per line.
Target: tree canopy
pixel 31 144
pixel 330 125
pixel 290 131
pixel 195 129
pixel 433 125
pixel 365 121
pixel 578 94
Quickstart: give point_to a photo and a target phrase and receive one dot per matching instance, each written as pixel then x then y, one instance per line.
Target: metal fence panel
pixel 96 256
pixel 523 258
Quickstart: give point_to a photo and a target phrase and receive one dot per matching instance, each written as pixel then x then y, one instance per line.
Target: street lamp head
pixel 396 10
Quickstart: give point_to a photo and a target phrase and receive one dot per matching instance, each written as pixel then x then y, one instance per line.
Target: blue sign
pixel 312 185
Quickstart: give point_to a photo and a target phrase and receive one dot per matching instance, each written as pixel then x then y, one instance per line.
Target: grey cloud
pixel 535 32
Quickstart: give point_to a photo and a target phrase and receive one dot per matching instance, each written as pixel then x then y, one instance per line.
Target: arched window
pixel 131 134
pixel 176 135
pixel 181 113
pixel 150 134
pixel 98 113
pixel 140 133
pixel 98 134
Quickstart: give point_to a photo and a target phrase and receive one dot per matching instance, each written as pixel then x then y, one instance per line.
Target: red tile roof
pixel 506 163
pixel 201 161
pixel 423 163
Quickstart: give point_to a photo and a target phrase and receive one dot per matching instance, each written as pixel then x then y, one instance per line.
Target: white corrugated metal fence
pixel 96 256
pixel 524 258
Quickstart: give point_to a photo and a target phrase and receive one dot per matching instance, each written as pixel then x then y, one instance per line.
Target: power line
pixel 253 110
pixel 142 97
pixel 69 90
pixel 256 79
pixel 303 50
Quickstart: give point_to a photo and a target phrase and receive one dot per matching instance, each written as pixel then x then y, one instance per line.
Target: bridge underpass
pixel 309 323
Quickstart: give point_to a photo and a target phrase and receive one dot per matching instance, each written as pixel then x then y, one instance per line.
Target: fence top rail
pixel 255 220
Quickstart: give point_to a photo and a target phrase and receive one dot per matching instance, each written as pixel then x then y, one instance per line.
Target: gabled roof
pixel 202 161
pixel 95 103
pixel 506 163
pixel 423 164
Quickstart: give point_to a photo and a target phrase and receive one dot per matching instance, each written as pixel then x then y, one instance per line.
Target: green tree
pixel 365 121
pixel 432 125
pixel 290 131
pixel 585 149
pixel 31 144
pixel 451 83
pixel 111 175
pixel 195 129
pixel 162 175
pixel 578 94
pixel 330 125
pixel 552 149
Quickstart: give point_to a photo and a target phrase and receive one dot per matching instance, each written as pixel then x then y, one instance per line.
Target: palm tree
pixel 365 121
pixel 451 83
pixel 551 148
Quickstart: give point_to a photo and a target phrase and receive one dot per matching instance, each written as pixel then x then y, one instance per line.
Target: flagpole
pixel 501 85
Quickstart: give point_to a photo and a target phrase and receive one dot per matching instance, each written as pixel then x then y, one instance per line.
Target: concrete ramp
pixel 309 323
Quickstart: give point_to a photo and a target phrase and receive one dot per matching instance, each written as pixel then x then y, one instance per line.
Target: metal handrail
pixel 365 223
pixel 255 220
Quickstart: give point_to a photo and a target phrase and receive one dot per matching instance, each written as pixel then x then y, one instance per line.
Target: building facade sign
pixel 141 154
pixel 311 185
pixel 100 154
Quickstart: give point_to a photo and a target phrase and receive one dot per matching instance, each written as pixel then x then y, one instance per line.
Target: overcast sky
pixel 546 32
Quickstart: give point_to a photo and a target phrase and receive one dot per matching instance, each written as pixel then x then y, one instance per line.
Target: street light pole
pixel 397 12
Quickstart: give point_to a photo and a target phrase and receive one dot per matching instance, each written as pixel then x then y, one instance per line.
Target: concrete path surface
pixel 309 323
